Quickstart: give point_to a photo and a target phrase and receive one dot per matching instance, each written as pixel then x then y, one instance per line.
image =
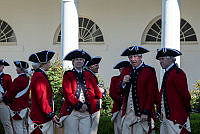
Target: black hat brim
pixel 134 50
pixel 167 52
pixel 93 61
pixel 3 62
pixel 41 57
pixel 122 64
pixel 21 64
pixel 77 54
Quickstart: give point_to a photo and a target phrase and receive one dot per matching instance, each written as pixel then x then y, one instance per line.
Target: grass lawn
pixel 106 127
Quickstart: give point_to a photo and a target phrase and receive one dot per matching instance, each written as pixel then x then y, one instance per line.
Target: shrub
pixel 106 101
pixel 55 76
pixel 195 96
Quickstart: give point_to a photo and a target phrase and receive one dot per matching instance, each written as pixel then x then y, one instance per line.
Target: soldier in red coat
pixel 5 84
pixel 93 67
pixel 175 97
pixel 18 98
pixel 80 90
pixel 138 83
pixel 41 113
pixel 117 97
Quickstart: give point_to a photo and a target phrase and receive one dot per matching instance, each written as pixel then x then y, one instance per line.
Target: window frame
pixel 58 30
pixel 152 22
pixel 7 43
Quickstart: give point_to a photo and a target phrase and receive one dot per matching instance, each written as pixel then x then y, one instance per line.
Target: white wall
pixel 34 23
pixel 122 23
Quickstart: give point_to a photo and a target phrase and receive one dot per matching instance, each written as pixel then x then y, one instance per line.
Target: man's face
pixel 135 60
pixel 120 70
pixel 19 70
pixel 78 62
pixel 94 68
pixel 1 68
pixel 46 66
pixel 165 62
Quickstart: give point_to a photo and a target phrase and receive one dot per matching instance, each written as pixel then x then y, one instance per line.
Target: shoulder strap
pixel 1 89
pixel 1 84
pixel 147 66
pixel 23 91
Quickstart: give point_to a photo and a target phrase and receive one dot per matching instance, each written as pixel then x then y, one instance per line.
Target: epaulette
pixel 67 71
pixel 92 74
pixel 178 70
pixel 148 66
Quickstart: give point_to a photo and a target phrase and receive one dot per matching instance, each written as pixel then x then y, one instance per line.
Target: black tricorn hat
pixel 21 64
pixel 3 62
pixel 41 57
pixel 122 64
pixel 93 61
pixel 133 50
pixel 163 52
pixel 78 54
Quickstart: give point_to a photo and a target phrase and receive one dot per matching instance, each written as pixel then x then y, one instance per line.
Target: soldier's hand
pixel 56 119
pixel 83 108
pixel 126 78
pixel 101 89
pixel 1 99
pixel 144 117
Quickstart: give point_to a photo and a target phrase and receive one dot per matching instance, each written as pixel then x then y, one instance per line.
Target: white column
pixel 69 29
pixel 171 26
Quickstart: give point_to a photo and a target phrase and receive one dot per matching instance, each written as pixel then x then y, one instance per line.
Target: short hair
pixel 170 57
pixel 173 59
pixel 24 70
pixel 136 55
pixel 36 65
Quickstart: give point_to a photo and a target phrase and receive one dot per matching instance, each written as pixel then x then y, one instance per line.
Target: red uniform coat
pixel 146 86
pixel 19 84
pixel 41 98
pixel 115 93
pixel 69 86
pixel 7 81
pixel 178 96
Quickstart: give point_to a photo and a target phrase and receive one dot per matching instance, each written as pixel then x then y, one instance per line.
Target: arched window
pixel 152 33
pixel 89 32
pixel 7 35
